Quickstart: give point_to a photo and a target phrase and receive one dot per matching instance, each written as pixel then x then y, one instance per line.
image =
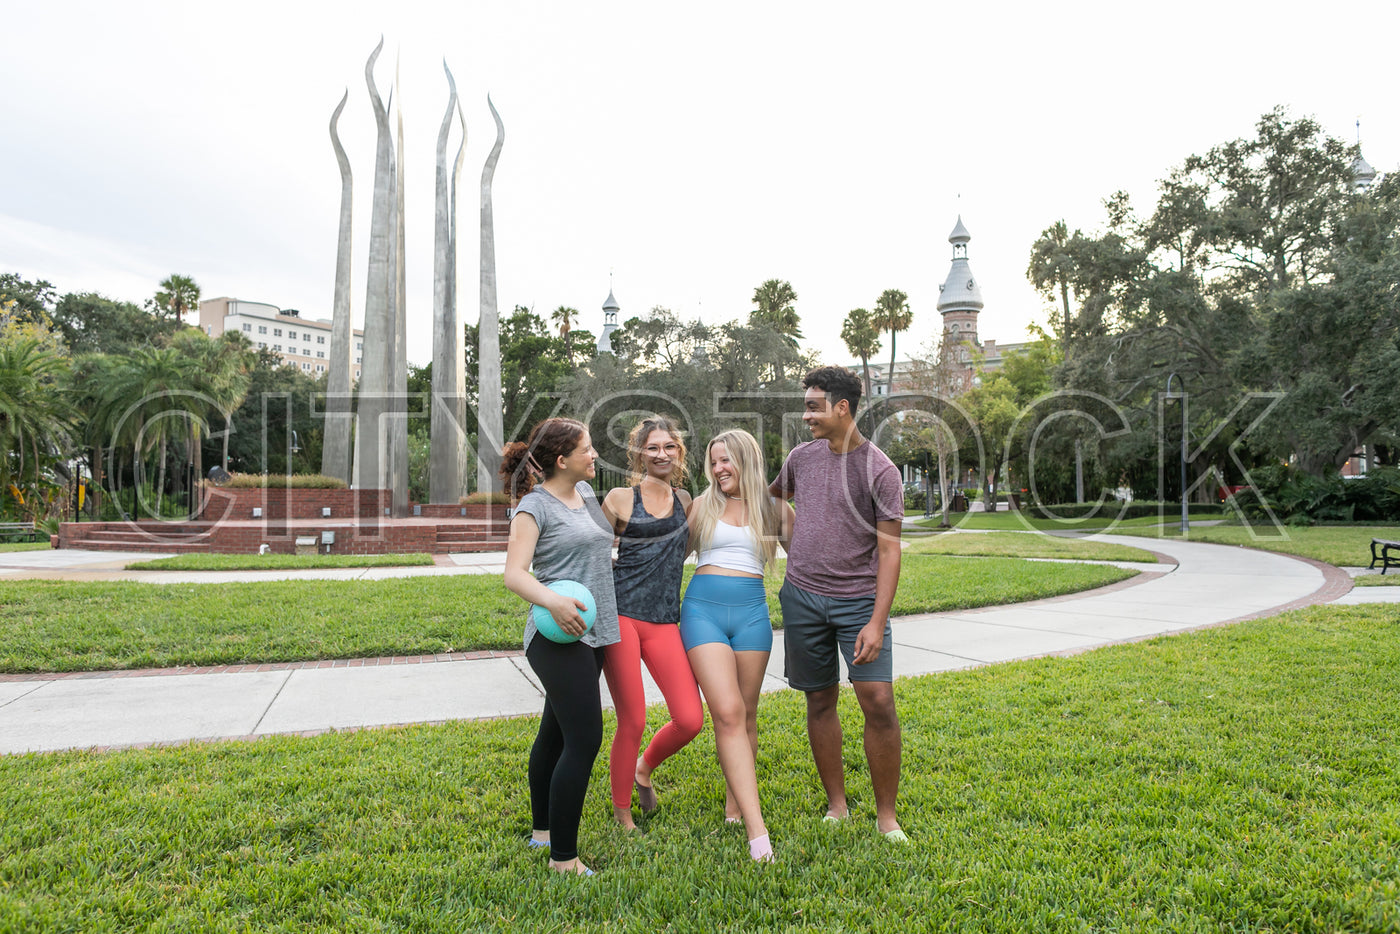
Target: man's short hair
pixel 837 382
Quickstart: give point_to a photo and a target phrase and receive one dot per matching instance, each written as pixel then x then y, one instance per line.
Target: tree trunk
pixel 160 474
pixel 223 461
pixel 193 504
pixel 943 486
pixel 865 366
pixel 98 479
pixel 889 384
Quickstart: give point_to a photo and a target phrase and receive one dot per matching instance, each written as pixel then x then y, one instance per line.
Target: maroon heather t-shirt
pixel 839 498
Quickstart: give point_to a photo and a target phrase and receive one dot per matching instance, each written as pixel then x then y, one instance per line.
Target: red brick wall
pixel 282 503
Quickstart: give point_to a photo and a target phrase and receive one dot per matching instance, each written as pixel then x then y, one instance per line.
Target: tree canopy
pixel 1260 270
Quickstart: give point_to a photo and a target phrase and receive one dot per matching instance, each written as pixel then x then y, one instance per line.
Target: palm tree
pixel 149 389
pixel 1052 265
pixel 892 314
pixel 178 295
pixel 35 417
pixel 92 379
pixel 564 316
pixel 220 380
pixel 862 339
pixel 776 310
pixel 234 358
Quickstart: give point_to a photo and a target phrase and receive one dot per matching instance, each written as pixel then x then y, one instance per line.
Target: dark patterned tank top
pixel 650 556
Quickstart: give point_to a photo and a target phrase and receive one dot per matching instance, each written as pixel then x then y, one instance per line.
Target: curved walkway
pixel 1208 585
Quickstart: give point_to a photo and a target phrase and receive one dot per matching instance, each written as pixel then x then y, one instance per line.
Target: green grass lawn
pixel 81 626
pixel 1343 546
pixel 1391 579
pixel 1236 779
pixel 25 546
pixel 1025 522
pixel 197 562
pixel 1025 545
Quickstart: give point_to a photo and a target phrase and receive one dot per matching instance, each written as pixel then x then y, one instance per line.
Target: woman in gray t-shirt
pixel 559 528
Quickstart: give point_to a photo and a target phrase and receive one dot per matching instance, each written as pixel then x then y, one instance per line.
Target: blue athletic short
pixel 732 610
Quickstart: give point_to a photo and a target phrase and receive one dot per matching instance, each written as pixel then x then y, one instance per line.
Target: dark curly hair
pixel 837 382
pixel 525 463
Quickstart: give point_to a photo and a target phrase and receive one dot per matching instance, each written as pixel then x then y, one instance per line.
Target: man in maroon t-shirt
pixel 842 570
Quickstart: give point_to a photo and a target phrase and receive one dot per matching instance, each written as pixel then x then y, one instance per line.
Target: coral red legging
pixel 659 644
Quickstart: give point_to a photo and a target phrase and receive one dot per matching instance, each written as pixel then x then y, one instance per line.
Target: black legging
pixel 571 730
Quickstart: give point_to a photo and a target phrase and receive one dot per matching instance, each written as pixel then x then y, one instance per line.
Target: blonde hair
pixel 636 450
pixel 765 512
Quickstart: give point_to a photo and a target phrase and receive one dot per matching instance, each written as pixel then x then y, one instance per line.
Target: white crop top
pixel 732 547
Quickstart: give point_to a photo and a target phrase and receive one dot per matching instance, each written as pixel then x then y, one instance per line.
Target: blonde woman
pixel 648 518
pixel 735 527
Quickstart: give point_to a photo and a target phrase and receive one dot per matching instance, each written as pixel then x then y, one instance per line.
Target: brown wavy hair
pixel 636 449
pixel 525 463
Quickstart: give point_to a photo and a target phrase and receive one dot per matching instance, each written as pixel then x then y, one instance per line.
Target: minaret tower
pixel 1363 175
pixel 960 298
pixel 610 310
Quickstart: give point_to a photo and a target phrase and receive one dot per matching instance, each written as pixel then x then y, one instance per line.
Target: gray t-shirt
pixel 574 544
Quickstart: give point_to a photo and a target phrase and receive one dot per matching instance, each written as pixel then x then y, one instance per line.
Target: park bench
pixel 1381 550
pixel 22 529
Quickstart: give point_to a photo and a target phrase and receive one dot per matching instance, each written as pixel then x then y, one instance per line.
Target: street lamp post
pixel 1185 521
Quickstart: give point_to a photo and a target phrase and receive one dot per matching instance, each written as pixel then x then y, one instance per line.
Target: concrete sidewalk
pixel 1208 585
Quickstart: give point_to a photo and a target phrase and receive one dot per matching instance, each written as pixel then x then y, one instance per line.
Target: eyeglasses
pixel 671 449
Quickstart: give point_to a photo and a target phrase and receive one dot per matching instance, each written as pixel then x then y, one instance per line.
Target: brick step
pixel 143 545
pixel 468 535
pixel 460 548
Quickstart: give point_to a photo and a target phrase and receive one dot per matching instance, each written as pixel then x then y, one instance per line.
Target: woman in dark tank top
pixel 649 520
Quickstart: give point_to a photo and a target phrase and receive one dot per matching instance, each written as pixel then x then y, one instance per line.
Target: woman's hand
pixel 568 613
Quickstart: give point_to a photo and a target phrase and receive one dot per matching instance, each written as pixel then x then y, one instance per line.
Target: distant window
pixel 277 347
pixel 320 353
pixel 357 359
pixel 291 350
pixel 262 329
pixel 359 346
pixel 306 367
pixel 320 368
pixel 262 344
pixel 248 328
pixel 320 338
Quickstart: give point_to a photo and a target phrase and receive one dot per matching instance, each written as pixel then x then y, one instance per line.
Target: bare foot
pixel 574 866
pixel 624 817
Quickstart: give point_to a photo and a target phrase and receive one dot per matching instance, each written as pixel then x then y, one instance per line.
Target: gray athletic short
pixel 814 627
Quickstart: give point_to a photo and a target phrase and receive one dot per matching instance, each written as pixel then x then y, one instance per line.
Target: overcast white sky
pixel 693 150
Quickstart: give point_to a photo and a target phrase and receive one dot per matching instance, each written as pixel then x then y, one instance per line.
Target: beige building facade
pixel 304 343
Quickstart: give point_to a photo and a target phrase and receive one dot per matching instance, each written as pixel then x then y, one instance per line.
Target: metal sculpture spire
pixel 490 416
pixel 371 448
pixel 335 451
pixel 447 465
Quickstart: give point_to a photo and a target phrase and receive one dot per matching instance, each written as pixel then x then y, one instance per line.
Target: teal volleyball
pixel 545 623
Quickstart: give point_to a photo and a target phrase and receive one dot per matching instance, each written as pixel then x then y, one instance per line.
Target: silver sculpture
pixel 398 360
pixel 446 461
pixel 335 451
pixel 380 297
pixel 490 434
